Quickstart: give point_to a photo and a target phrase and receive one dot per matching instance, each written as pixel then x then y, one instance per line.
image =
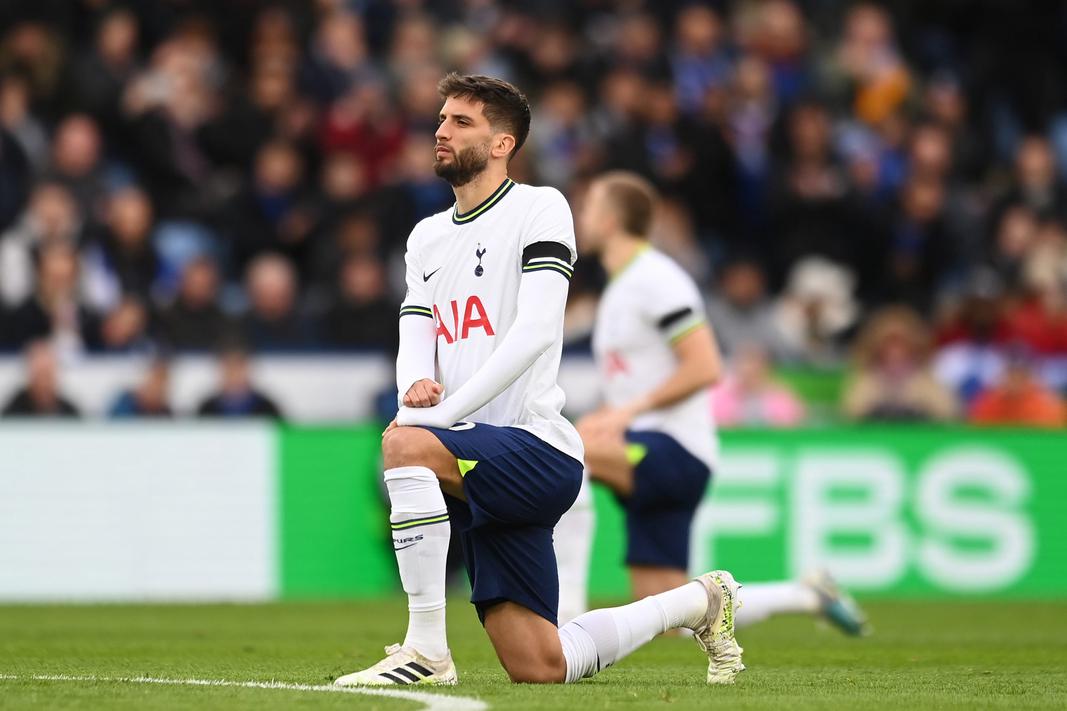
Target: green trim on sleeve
pixel 416 311
pixel 687 329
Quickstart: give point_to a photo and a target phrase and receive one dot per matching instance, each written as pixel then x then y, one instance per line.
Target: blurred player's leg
pixel 648 580
pixel 761 600
pixel 815 594
pixel 660 485
pixel 573 542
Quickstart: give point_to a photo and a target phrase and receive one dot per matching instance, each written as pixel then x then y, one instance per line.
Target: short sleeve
pixel 674 304
pixel 417 300
pixel 550 221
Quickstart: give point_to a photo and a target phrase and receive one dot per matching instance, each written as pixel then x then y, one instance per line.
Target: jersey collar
pixel 630 262
pixel 483 208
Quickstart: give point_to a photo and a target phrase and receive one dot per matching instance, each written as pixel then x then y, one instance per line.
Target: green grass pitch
pixel 922 655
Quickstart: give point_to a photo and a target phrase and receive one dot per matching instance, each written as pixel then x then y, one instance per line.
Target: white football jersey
pixel 647 306
pixel 463 271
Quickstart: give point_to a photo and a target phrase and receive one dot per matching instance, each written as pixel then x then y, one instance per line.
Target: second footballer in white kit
pixel 654 442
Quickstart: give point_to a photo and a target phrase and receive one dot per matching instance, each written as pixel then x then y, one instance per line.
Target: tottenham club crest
pixel 479 252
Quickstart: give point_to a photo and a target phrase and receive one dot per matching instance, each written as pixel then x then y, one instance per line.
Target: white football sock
pixel 573 541
pixel 421 532
pixel 598 639
pixel 761 600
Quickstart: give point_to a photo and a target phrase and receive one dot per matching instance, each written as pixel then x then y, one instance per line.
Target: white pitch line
pixel 431 702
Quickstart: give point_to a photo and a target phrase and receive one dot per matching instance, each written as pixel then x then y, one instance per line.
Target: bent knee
pixel 546 671
pixel 408 446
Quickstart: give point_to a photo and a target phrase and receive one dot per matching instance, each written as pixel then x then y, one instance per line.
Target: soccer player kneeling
pixel 479 441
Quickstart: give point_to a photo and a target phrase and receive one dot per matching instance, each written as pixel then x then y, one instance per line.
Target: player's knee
pixel 551 669
pixel 405 447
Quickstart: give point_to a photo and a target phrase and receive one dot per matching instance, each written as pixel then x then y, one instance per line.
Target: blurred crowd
pixel 879 187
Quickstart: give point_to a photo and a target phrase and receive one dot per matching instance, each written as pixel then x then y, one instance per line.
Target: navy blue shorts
pixel 669 484
pixel 517 487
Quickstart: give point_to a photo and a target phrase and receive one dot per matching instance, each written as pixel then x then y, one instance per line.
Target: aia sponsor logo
pixel 474 317
pixel 615 364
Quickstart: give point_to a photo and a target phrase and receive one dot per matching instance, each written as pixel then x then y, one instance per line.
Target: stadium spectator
pixel 272 321
pixel 14 178
pixel 892 379
pixel 810 214
pixel 271 214
pixel 24 127
pixel 338 58
pixel 357 232
pixel 166 108
pixel 742 313
pixel 749 114
pixel 149 397
pixel 121 259
pixel 54 310
pixel 947 105
pixel 77 157
pixel 919 254
pixel 342 196
pixel 816 312
pixel 366 123
pixel 1039 317
pixel 777 33
pixel 416 192
pixel 236 396
pixel 1019 397
pixel 249 119
pixel 560 133
pixel 34 48
pixel 970 357
pixel 869 59
pixel 194 320
pixel 51 216
pixel 1036 186
pixel 1015 236
pixel 99 74
pixel 749 396
pixel 124 329
pixel 698 61
pixel 40 397
pixel 362 315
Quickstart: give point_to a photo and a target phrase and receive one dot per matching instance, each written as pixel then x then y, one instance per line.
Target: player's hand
pixel 423 393
pixel 607 421
pixel 391 426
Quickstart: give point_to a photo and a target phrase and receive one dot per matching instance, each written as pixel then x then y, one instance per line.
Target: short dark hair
pixel 632 198
pixel 503 104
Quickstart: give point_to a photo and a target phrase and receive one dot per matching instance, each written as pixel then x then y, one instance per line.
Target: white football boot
pixel 403 666
pixel 716 634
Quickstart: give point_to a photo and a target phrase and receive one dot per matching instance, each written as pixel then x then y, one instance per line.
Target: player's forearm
pixel 538 324
pixel 415 356
pixel 699 367
pixel 681 385
pixel 515 354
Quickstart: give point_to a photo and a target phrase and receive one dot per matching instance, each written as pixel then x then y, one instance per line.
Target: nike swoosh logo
pixel 403 547
pixel 426 277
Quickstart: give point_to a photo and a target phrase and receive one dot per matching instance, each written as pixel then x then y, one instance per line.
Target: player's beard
pixel 466 165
